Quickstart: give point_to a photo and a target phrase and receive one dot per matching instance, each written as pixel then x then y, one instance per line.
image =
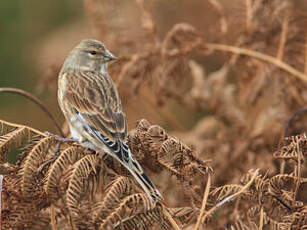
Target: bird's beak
pixel 109 55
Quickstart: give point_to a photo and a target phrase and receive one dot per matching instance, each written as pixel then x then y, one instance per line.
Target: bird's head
pixel 89 55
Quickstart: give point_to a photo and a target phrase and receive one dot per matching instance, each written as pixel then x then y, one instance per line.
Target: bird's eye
pixel 93 52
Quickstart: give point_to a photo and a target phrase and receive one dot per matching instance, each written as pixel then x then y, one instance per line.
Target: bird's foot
pixel 57 149
pixel 52 159
pixel 59 138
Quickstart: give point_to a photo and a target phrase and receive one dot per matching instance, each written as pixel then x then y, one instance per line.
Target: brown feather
pixel 93 95
pixel 92 107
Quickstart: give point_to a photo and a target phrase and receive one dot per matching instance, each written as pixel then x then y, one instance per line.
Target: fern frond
pixel 227 190
pixel 26 148
pixel 41 222
pixel 67 157
pixel 35 158
pixel 154 137
pixel 242 225
pixel 76 188
pixel 12 139
pixel 253 214
pixel 291 148
pixel 180 161
pixel 143 221
pixel 21 219
pixel 142 125
pixel 22 215
pixel 184 214
pixel 129 207
pixel 6 127
pixel 281 182
pixel 274 224
pixel 118 189
pixel 260 184
pixel 295 221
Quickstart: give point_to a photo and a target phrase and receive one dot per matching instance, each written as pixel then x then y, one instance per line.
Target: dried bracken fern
pixel 12 139
pixel 290 149
pixel 85 191
pixel 54 178
pixel 128 208
pixel 118 189
pixel 226 84
pixel 29 174
pixel 82 169
pixel 88 194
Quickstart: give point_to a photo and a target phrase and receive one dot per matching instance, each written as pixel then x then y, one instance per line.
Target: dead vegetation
pixel 236 115
pixel 82 191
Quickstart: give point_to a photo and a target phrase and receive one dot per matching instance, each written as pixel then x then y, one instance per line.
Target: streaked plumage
pixel 93 110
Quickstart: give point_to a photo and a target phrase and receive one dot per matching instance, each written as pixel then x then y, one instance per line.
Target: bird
pixel 92 108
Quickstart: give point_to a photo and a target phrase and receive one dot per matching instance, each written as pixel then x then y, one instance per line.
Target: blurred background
pixel 247 97
pixel 30 44
pixel 173 70
pixel 36 38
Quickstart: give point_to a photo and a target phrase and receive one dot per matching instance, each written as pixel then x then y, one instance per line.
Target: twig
pixel 170 218
pixel 203 206
pixel 53 221
pixel 36 101
pixel 231 197
pixel 223 22
pixel 148 24
pixel 299 153
pixel 249 15
pixel 305 60
pixel 264 57
pixel 261 219
pixel 283 37
pixel 1 179
pixel 280 201
pixel 23 126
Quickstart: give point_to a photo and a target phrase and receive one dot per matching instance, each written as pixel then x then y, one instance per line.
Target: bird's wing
pixel 96 103
pixel 94 98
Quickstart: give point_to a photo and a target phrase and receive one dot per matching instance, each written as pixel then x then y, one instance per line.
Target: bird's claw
pixel 59 138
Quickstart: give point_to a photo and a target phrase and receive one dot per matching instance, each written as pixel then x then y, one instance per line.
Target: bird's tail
pixel 121 152
pixel 146 185
pixel 138 173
